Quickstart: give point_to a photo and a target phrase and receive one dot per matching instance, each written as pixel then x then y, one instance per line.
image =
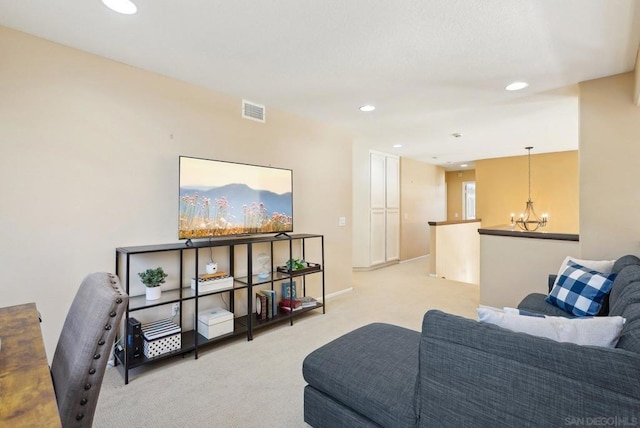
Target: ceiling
pixel 432 67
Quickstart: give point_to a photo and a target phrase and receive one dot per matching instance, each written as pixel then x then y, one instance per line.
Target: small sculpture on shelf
pixel 212 267
pixel 152 278
pixel 264 262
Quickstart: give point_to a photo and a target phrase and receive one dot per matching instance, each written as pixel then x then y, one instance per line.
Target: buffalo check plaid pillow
pixel 580 290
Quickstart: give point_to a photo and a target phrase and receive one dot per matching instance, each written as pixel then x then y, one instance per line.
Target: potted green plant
pixel 296 264
pixel 152 278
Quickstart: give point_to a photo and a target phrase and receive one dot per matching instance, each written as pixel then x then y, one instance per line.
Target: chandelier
pixel 529 220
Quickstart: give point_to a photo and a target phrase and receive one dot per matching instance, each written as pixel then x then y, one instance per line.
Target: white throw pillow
pixel 593 331
pixel 602 266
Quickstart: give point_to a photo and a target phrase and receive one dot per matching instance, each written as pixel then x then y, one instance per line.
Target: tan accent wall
pixel 502 189
pixel 90 162
pixel 422 199
pixel 609 160
pixel 636 92
pixel 454 181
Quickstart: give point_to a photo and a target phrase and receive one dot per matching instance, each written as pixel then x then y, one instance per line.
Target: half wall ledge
pixel 508 231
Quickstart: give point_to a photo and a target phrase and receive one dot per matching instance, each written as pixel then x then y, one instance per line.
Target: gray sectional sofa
pixel 459 372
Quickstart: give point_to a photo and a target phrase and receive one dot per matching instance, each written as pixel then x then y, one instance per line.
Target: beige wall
pixel 609 160
pixel 454 181
pixel 90 162
pixel 361 196
pixel 422 199
pixel 502 189
pixel 511 268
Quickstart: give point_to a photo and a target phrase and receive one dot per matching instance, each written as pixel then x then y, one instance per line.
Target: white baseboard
pixel 426 256
pixel 374 267
pixel 386 264
pixel 337 293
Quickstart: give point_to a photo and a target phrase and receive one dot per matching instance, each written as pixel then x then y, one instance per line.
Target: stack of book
pixel 289 305
pixel 308 302
pixel 266 304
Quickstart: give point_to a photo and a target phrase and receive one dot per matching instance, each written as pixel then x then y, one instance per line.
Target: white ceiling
pixel 432 67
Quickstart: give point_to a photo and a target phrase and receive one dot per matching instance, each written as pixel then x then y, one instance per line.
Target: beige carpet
pixel 259 383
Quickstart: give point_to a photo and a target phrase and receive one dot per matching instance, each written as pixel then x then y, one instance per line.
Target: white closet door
pixel 377 180
pixel 377 250
pixel 393 182
pixel 393 234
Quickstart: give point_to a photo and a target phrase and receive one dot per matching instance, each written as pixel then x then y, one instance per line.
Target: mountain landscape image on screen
pixel 232 209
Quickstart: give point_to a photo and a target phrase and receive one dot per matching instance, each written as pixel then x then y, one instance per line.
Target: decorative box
pixel 161 337
pixel 215 322
pixel 215 284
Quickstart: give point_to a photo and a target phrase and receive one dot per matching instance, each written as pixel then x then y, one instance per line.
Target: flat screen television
pixel 220 198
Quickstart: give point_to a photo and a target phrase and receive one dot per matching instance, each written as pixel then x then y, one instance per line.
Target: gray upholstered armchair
pixel 83 349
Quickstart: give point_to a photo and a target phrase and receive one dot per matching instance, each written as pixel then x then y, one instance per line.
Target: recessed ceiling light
pixel 516 86
pixel 121 6
pixel 464 165
pixel 397 146
pixel 367 107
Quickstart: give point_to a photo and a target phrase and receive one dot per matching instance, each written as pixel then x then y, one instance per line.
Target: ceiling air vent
pixel 252 111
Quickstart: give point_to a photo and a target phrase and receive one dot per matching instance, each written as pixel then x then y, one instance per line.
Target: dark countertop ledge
pixel 517 233
pixel 446 223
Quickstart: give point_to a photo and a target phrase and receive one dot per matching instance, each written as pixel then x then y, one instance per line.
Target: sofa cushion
pixel 625 301
pixel 536 302
pixel 580 290
pixel 322 411
pixel 591 331
pixel 372 370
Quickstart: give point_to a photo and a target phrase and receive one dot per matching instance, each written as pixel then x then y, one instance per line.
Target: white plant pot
pixel 153 293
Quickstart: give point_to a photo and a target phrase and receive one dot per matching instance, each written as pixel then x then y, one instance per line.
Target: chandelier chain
pixel 529 150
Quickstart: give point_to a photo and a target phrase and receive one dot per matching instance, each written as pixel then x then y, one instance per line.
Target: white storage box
pixel 215 322
pixel 207 285
pixel 161 337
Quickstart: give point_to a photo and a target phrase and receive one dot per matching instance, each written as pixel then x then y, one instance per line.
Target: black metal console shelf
pixel 191 340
